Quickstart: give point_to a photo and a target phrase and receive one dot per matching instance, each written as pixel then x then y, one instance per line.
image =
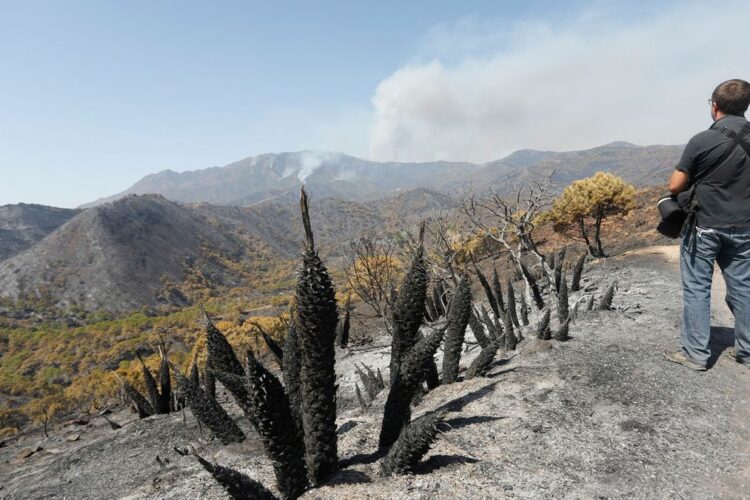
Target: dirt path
pixel 722 318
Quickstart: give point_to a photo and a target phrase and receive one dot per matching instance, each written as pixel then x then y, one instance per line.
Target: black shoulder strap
pixel 737 140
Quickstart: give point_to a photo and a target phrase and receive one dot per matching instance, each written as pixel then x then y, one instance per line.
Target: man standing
pixel 717 162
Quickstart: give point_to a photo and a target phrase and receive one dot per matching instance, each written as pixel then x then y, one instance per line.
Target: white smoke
pixel 310 161
pixel 563 86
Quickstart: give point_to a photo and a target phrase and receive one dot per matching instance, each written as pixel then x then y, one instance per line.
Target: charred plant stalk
pixel 273 346
pixel 562 334
pixel 209 411
pixel 165 383
pixel 575 284
pixel 236 484
pixel 362 402
pixel 209 382
pixel 151 389
pixel 524 310
pixel 412 444
pixel 493 325
pixel 512 305
pixel 431 377
pixel 482 362
pixel 408 311
pixel 487 289
pixel 543 329
pixel 292 369
pixel 372 383
pixel 458 319
pixel 344 342
pixel 590 303
pixel 317 318
pixel 606 303
pixel 510 335
pixel 563 311
pixel 142 406
pixel 476 327
pixel 277 429
pixel 534 286
pixel 397 411
pixel 222 360
pixel 498 289
pixel 194 377
pixel 559 268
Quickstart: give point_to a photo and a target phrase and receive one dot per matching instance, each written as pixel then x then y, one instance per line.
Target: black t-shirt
pixel 723 196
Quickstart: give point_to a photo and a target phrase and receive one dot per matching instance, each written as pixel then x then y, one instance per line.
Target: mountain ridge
pixel 332 174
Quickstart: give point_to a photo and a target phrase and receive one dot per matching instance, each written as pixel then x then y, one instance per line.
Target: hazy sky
pixel 95 95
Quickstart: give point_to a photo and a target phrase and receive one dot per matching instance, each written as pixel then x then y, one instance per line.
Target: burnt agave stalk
pixel 151 389
pixel 317 318
pixel 209 382
pixel 372 383
pixel 512 305
pixel 542 328
pixel 458 319
pixel 575 284
pixel 236 484
pixel 209 411
pixel 221 361
pixel 412 444
pixel 491 299
pixel 563 307
pixel 273 346
pixel 524 310
pixel 277 429
pixel 194 376
pixel 408 311
pixel 397 412
pixel 482 362
pixel 142 406
pixel 346 326
pixel 362 402
pixel 165 383
pixel 478 329
pixel 606 303
pixel 574 311
pixel 498 289
pixel 493 325
pixel 590 303
pixel 291 372
pixel 534 285
pixel 558 268
pixel 562 334
pixel 431 377
pixel 510 335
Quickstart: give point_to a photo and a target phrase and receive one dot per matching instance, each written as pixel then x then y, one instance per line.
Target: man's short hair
pixel 732 97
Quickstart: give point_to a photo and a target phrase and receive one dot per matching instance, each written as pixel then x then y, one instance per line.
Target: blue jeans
pixel 730 248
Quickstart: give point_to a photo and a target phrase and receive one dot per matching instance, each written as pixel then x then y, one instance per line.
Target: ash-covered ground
pixel 602 415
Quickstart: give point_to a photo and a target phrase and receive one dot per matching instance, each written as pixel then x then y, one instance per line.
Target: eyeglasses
pixel 710 102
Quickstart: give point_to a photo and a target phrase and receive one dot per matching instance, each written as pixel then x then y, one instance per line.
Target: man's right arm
pixel 680 179
pixel 678 182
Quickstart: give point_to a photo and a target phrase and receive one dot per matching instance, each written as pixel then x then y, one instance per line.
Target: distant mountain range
pixel 268 176
pixel 137 248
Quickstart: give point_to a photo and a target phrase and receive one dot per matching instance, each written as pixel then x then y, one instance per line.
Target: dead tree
pixel 372 273
pixel 511 221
